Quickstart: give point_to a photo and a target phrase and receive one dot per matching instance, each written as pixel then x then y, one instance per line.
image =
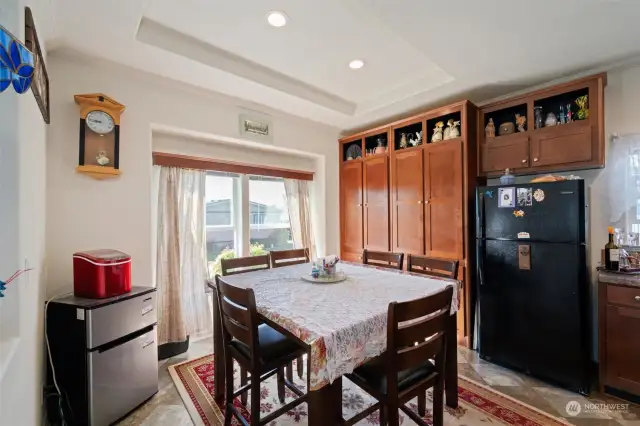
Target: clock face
pixel 100 122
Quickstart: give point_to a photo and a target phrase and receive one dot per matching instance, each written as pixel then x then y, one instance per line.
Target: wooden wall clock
pixel 99 141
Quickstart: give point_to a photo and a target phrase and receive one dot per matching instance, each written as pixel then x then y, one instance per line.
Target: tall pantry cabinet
pixel 414 198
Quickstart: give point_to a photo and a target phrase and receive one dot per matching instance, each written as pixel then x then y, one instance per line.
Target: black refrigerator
pixel 532 283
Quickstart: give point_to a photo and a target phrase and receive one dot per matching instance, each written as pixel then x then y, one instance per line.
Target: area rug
pixel 479 404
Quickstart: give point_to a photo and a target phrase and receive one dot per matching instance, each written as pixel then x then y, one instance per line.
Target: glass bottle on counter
pixel 611 253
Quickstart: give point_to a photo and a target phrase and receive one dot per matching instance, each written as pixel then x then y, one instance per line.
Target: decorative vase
pixel 380 148
pixel 551 120
pixel 520 122
pixel 538 116
pixel 507 178
pixel 507 128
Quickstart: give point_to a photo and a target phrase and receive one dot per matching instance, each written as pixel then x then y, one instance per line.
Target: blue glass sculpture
pixel 16 63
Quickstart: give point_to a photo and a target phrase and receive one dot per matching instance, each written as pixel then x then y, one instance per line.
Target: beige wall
pixel 84 213
pixel 22 237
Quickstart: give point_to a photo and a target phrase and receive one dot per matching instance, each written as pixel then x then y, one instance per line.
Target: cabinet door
pixel 563 144
pixel 623 348
pixel 352 207
pixel 408 226
pixel 505 152
pixel 443 200
pixel 376 204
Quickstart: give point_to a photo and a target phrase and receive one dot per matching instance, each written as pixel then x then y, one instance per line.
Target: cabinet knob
pixel 419 201
pixel 535 160
pixel 637 298
pixel 359 204
pixel 524 161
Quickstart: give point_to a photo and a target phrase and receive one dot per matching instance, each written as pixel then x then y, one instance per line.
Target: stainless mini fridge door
pixel 122 377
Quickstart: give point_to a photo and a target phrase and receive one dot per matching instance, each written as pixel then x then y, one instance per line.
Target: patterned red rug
pixel 479 404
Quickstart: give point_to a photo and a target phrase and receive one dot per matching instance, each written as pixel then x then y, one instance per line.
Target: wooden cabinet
pixel 351 207
pixel 619 329
pixel 417 197
pixel 376 203
pixel 364 199
pixel 407 190
pixel 443 219
pixel 562 145
pixel 578 144
pixel 506 152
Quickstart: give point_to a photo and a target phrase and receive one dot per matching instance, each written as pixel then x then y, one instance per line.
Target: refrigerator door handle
pixel 480 241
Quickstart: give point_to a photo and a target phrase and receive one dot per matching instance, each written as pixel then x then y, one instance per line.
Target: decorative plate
pixel 338 277
pixel 354 151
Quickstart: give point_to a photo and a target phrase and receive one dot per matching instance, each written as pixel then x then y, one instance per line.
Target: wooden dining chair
pixel 279 258
pixel 383 259
pixel 259 348
pixel 239 265
pixel 405 370
pixel 432 266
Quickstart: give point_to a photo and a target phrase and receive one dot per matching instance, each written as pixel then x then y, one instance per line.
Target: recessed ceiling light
pixel 356 64
pixel 277 19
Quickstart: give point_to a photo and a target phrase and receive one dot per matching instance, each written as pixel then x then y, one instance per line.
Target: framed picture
pixel 256 126
pixel 40 83
pixel 507 197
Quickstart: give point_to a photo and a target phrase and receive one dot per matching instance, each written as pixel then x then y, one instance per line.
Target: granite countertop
pixel 619 278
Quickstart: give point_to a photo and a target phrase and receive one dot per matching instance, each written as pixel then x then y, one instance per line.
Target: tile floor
pixel 166 408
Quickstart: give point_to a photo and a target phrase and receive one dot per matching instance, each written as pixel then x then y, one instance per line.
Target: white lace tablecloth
pixel 345 323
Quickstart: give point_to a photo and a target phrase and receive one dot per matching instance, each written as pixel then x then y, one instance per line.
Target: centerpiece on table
pixel 323 270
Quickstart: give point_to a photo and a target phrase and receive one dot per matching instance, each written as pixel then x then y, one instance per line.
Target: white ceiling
pixel 417 53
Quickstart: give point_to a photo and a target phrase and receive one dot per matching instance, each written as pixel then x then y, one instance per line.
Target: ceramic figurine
pixel 520 121
pixel 417 140
pixel 403 140
pixel 583 104
pixel 538 117
pixel 569 114
pixel 490 130
pixel 452 130
pixel 380 148
pixel 437 132
pixel 551 120
pixel 102 158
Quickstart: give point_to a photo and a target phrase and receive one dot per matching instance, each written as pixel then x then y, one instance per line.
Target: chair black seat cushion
pixel 273 345
pixel 373 373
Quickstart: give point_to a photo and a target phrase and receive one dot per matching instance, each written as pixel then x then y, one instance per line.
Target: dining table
pixel 342 324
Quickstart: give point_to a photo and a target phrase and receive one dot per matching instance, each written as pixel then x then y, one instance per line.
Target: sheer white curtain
pixel 183 305
pixel 624 183
pixel 300 214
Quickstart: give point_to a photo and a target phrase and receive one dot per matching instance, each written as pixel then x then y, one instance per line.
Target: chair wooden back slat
pixel 432 266
pixel 239 265
pixel 280 258
pixel 383 259
pixel 239 314
pixel 413 356
pixel 412 322
pixel 419 331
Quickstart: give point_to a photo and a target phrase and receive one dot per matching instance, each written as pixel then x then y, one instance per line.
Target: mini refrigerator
pixel 105 355
pixel 532 283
